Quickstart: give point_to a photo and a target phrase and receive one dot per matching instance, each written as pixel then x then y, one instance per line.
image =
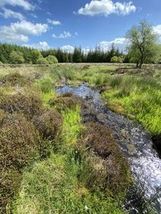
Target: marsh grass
pixel 138 97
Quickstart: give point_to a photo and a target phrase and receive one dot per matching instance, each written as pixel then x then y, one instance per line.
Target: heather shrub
pixel 48 124
pixel 14 79
pixel 19 141
pixel 65 101
pixel 27 104
pixel 19 148
pixel 106 168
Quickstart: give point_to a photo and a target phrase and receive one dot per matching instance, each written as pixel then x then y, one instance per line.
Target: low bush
pixel 48 124
pixel 19 147
pixel 27 104
pixel 65 101
pixel 51 59
pixel 14 79
pixel 42 61
pixel 19 141
pixel 107 169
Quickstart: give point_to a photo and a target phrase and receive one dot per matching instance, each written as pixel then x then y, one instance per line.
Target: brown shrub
pixel 2 115
pixel 48 124
pixel 19 147
pixel 29 105
pixel 10 181
pixel 14 79
pixel 106 166
pixel 19 142
pixel 65 101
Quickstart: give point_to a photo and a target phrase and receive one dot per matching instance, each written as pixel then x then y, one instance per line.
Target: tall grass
pixel 139 97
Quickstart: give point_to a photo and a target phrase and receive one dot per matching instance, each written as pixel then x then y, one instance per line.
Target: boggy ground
pixel 48 159
pixel 53 161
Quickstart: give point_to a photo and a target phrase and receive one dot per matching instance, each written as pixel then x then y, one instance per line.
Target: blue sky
pixel 67 23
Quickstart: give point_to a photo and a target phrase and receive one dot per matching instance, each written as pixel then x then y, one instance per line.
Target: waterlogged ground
pixel 48 171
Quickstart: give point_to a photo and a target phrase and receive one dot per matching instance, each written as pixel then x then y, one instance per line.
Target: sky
pixel 64 24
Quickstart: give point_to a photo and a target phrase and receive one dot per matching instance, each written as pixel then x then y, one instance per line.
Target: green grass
pixel 71 126
pixel 137 97
pixel 53 186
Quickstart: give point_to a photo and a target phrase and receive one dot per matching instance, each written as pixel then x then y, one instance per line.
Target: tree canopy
pixel 14 54
pixel 142 44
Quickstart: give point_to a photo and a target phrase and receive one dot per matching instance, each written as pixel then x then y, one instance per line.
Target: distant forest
pixel 14 54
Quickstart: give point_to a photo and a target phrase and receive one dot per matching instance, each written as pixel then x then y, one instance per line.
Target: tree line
pixel 142 47
pixel 16 55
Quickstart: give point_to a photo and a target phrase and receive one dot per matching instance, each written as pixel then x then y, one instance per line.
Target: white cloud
pixel 21 3
pixel 63 35
pixel 40 45
pixel 120 43
pixel 67 48
pixel 157 30
pixel 7 13
pixel 28 28
pixel 19 31
pixel 107 7
pixel 54 22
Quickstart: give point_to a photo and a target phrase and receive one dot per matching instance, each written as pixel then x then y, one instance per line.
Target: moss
pixel 19 147
pixel 65 101
pixel 107 168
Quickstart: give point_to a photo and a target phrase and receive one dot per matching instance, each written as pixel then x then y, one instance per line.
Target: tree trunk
pixel 137 64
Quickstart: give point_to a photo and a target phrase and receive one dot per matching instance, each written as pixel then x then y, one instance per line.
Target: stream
pixel 135 143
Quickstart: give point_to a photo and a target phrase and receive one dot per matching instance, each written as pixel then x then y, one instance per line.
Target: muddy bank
pixel 136 145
